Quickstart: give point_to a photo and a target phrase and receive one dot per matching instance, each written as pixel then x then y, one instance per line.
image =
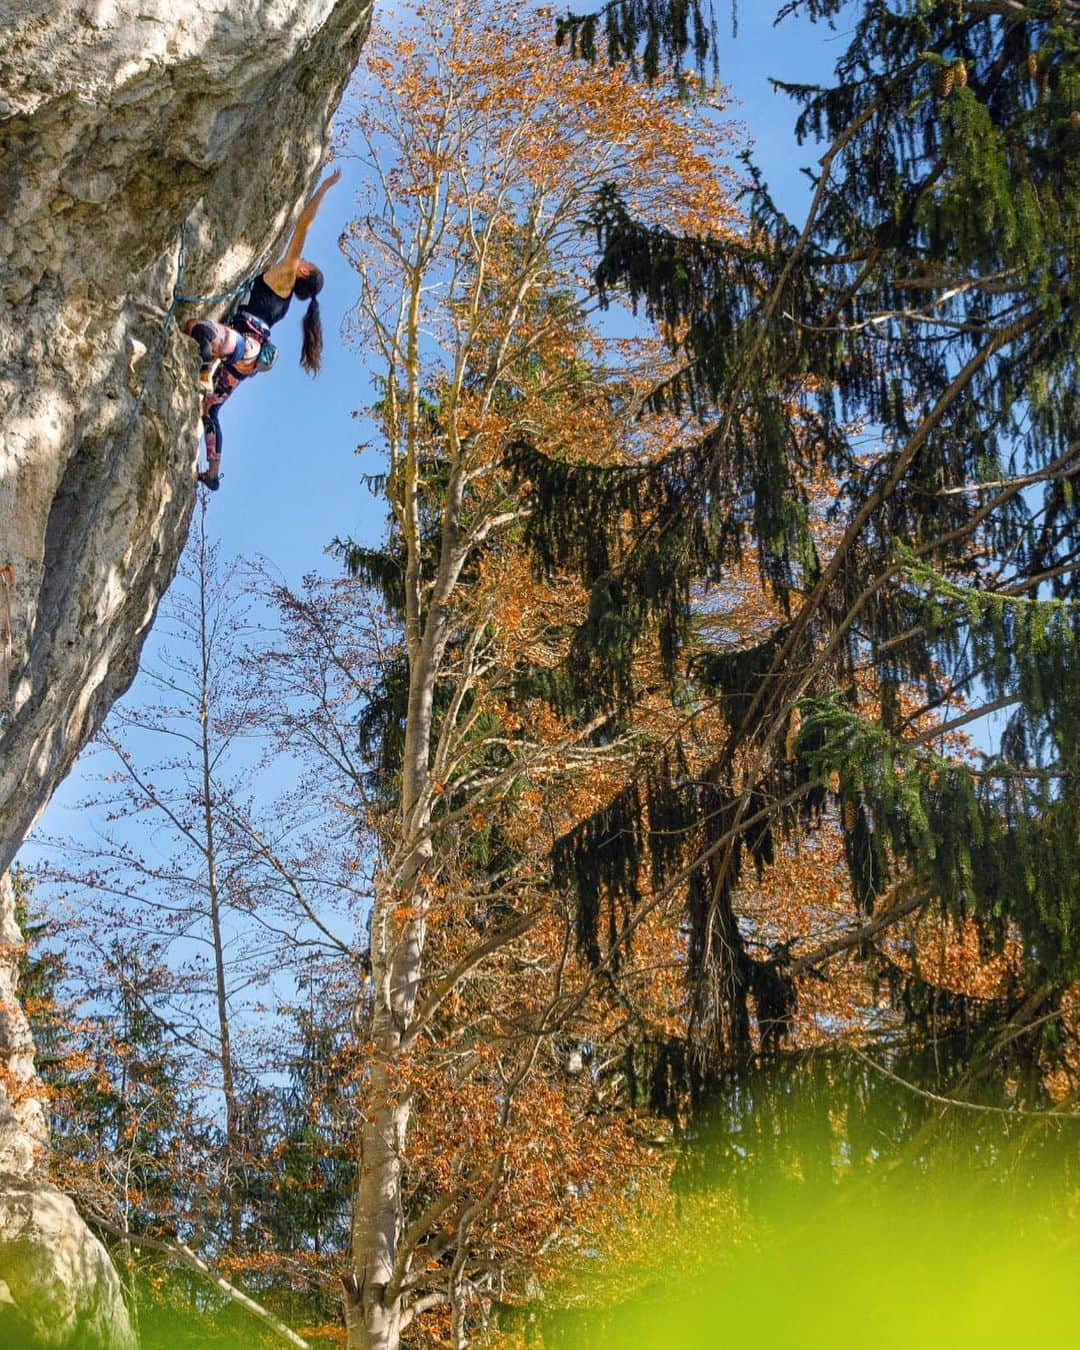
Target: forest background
pixel 289 468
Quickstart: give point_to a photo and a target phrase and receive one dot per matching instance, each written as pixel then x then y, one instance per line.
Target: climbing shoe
pixel 212 481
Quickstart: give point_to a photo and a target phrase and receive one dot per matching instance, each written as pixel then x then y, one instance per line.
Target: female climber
pixel 240 347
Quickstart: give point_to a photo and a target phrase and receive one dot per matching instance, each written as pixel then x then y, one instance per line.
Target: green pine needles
pixel 887 404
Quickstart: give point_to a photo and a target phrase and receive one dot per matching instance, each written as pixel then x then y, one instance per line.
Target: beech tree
pixel 484 151
pixel 504 1152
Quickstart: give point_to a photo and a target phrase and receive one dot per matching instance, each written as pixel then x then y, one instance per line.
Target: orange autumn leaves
pixel 482 142
pixel 485 150
pixel 511 125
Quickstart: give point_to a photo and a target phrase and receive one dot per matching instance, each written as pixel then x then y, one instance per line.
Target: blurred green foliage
pixel 884 1224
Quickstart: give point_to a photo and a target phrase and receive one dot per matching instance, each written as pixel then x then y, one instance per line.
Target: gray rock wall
pixel 122 124
pixel 122 121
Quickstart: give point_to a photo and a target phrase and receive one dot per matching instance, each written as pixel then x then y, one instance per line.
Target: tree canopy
pixel 681 791
pixel 886 398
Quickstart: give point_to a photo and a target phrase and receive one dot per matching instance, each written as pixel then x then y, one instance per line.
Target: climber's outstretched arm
pixel 281 277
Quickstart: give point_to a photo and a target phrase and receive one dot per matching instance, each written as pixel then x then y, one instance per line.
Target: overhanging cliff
pixel 124 127
pixel 121 124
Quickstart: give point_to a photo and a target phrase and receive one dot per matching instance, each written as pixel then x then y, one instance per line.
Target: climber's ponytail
pixel 311 352
pixel 307 287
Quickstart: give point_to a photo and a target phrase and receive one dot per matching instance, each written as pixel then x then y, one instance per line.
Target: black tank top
pixel 265 303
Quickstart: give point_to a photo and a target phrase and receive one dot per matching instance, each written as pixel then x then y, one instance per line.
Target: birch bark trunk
pixel 374 1310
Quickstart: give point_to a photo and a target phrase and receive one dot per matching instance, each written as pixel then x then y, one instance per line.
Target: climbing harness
pixel 7 582
pixel 249 323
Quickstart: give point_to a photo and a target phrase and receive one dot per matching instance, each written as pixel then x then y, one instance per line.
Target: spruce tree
pixel 912 344
pixel 312 1166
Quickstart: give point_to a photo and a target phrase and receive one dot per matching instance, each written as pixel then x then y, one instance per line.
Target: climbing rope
pixel 216 299
pixel 180 299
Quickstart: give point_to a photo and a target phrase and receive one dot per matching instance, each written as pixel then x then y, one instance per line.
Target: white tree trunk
pixel 374 1310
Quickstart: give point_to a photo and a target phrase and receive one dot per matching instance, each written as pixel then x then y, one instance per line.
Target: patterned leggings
pixel 218 342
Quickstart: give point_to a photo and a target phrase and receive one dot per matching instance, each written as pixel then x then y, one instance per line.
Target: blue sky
pixel 292 478
pixel 291 475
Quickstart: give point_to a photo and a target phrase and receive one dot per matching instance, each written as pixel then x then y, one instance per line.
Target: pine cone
pixel 850 816
pixel 961 73
pixel 943 81
pixel 1033 64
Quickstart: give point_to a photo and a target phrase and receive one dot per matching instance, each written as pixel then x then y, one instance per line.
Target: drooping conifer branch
pixel 940 122
pixel 659 31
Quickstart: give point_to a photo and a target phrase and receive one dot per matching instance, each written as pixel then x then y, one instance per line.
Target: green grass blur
pixel 821 1208
pixel 891 1227
pixel 933 1270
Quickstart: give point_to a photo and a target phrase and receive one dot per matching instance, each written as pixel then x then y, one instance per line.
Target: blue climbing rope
pixel 215 299
pixel 180 299
pixel 154 360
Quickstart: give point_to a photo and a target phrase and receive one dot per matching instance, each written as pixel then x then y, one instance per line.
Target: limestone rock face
pixel 126 126
pixel 124 123
pixel 57 1285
